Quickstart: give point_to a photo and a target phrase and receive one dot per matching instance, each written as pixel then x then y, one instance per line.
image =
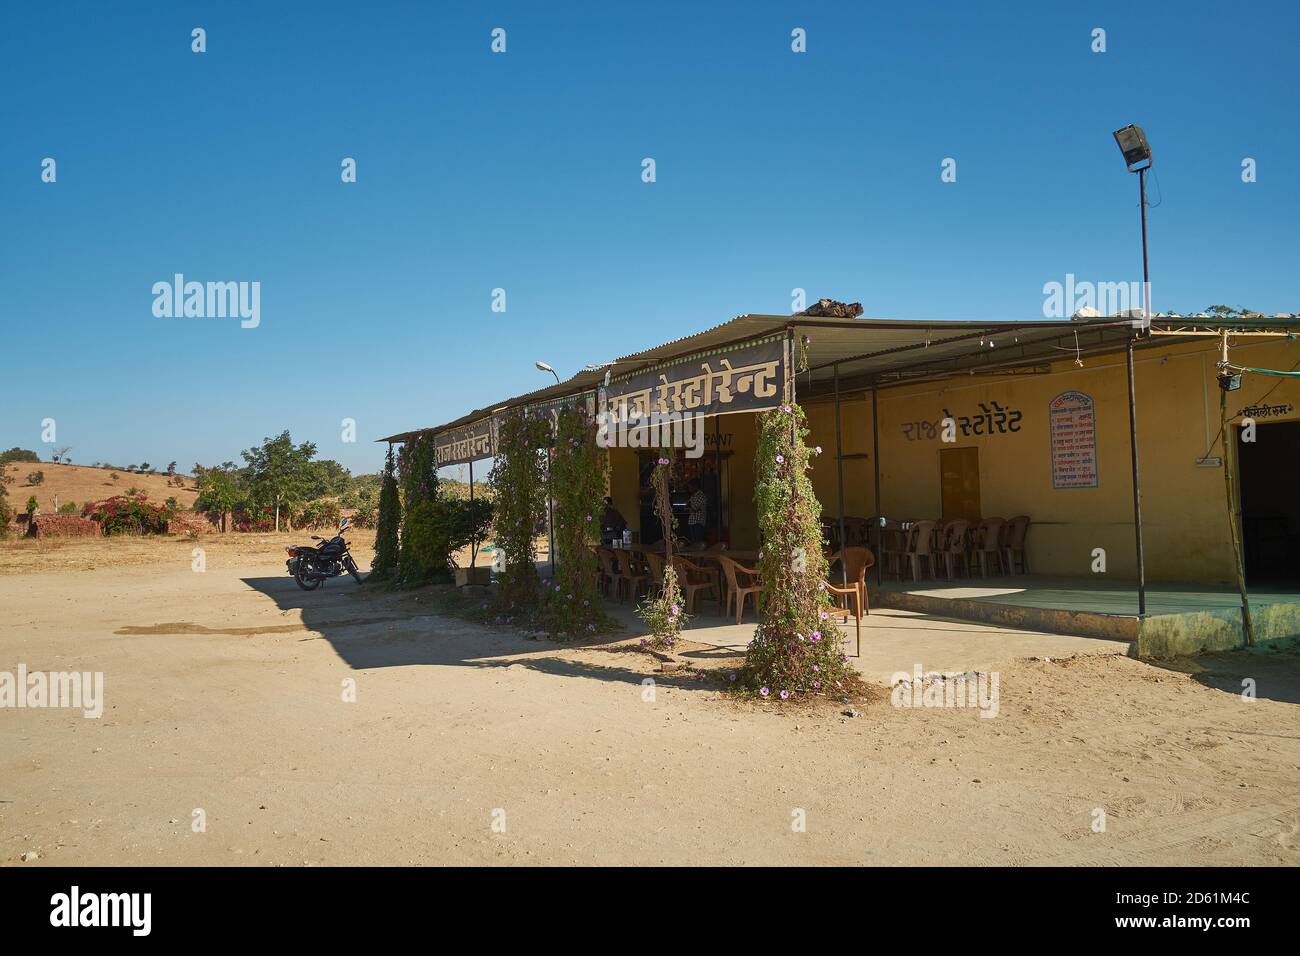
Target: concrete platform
pixel 895 640
pixel 1180 619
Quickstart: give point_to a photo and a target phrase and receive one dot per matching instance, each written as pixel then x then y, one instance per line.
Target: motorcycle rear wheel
pixel 305 582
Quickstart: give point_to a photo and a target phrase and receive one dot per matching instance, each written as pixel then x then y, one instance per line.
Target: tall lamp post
pixel 1133 144
pixel 1137 157
pixel 550 500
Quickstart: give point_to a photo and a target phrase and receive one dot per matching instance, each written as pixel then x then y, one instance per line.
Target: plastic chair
pixel 988 544
pixel 693 579
pixel 921 549
pixel 608 571
pixel 1013 550
pixel 632 579
pixel 733 571
pixel 953 547
pixel 856 562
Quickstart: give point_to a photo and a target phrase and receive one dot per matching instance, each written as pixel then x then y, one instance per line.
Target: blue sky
pixel 522 171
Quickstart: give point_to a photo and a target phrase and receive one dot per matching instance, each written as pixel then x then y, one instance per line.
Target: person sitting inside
pixel 611 524
pixel 698 509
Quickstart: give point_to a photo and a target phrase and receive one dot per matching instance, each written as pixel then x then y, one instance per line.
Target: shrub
pixel 125 514
pixel 318 514
pixel 32 504
pixel 115 476
pixel 424 544
pixel 35 477
pixel 68 508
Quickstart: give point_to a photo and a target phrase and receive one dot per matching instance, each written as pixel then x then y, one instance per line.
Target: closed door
pixel 959 475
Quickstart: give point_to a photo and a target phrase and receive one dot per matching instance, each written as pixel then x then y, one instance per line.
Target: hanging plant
pixel 518 481
pixel 664 614
pixel 797 648
pixel 573 603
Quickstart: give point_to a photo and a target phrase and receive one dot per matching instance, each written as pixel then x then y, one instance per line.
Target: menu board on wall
pixel 1074 440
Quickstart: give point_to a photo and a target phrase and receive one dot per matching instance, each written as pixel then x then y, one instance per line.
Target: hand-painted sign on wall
pixel 994 420
pixel 746 378
pixel 1073 428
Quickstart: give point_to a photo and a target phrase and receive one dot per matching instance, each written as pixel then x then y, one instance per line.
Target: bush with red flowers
pixel 128 514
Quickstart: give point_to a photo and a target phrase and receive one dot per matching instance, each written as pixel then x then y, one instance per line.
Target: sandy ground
pixel 224 694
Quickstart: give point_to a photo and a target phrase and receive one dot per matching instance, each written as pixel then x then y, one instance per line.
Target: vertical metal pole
pixel 1137 485
pixel 717 469
pixel 550 515
pixel 1146 273
pixel 839 477
pixel 471 480
pixel 875 457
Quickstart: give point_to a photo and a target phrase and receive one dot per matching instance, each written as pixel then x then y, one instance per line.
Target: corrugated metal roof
pixel 885 351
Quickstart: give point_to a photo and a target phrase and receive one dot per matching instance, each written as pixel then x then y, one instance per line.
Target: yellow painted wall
pixel 1183 504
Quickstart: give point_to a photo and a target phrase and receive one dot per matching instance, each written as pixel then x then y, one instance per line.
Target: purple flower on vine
pixel 591 627
pixel 787 409
pixel 569 598
pixel 817 685
pixel 817 668
pixel 764 691
pixel 821 585
pixel 663 461
pixel 825 616
pixel 819 449
pixel 731 677
pixel 780 459
pixel 816 636
pixel 785 695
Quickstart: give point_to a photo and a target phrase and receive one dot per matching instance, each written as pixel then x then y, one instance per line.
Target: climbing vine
pixel 423 547
pixel 573 605
pixel 664 612
pixel 518 480
pixel 796 647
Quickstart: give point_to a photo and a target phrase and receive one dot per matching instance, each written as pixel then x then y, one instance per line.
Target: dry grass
pixel 81 483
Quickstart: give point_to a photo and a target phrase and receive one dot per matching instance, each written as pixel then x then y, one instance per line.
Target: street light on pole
pixel 543 367
pixel 1132 142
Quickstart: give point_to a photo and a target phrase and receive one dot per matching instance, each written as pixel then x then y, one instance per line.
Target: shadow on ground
pixel 1274 672
pixel 370 629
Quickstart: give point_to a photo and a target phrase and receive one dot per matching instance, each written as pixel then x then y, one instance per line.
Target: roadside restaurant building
pixel 1105 434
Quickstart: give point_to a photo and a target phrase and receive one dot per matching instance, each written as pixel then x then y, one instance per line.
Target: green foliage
pixel 469 523
pixel 327 479
pixel 796 647
pixel 219 491
pixel 423 552
pixel 519 481
pixel 70 507
pixel 6 512
pixel 573 605
pixel 386 524
pixel 18 454
pixel 32 504
pixel 322 513
pixel 664 613
pixel 279 472
pixel 35 477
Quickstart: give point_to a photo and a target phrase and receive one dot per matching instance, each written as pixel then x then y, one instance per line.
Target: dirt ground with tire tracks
pixel 224 693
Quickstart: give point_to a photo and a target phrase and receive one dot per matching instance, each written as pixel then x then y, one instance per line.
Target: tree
pixel 18 454
pixel 390 516
pixel 32 505
pixel 171 469
pixel 329 479
pixel 61 454
pixel 218 491
pixel 279 472
pixel 35 477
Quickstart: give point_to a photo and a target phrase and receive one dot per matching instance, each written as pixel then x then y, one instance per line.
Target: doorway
pixel 1269 470
pixel 959 477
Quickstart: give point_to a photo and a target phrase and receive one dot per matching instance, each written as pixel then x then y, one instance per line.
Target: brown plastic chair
pixel 693 579
pixel 1013 548
pixel 736 592
pixel 921 548
pixel 608 570
pixel 856 562
pixel 655 563
pixel 631 577
pixel 988 544
pixel 952 545
pixel 893 547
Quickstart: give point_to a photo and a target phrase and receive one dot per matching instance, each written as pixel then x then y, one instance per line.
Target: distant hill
pixel 81 483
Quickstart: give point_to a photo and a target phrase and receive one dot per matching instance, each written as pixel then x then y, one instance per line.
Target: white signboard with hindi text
pixel 1073 426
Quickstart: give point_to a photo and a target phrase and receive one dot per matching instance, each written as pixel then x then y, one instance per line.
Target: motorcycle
pixel 311 565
